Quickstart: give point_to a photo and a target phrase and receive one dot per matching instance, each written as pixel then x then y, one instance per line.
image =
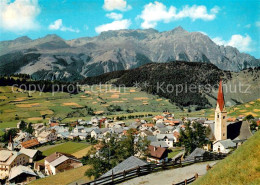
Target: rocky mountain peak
pixel 22 39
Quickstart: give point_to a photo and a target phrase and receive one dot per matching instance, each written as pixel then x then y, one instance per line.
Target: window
pixel 224 117
pixel 223 134
pixel 218 115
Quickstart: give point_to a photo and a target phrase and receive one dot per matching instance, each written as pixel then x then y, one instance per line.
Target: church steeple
pixel 220 128
pixel 10 144
pixel 220 100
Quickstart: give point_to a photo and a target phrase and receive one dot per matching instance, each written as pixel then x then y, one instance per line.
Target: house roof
pixel 196 153
pixel 97 130
pixel 227 143
pixel 159 144
pixel 162 136
pixel 129 163
pixel 59 160
pixel 29 152
pixel 7 157
pixel 54 124
pixel 156 152
pixel 220 100
pixel 56 155
pixel 152 138
pixel 239 130
pixel 18 170
pixel 30 143
pixel 148 133
pixel 148 125
pixel 163 130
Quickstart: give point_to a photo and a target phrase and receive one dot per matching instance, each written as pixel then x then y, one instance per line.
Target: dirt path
pixel 169 177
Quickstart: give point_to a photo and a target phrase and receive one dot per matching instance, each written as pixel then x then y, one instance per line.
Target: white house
pixel 47 136
pixel 94 133
pixel 59 162
pixel 223 146
pixel 78 129
pixel 168 138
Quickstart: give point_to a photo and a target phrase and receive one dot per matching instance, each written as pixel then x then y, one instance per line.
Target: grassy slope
pixel 31 108
pixel 64 177
pixel 240 168
pixel 68 147
pixel 252 107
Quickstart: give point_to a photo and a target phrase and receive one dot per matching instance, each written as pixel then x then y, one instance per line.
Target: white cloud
pixel 57 25
pixel 257 23
pixel 242 43
pixel 116 25
pixel 19 15
pixel 111 5
pixel 115 16
pixel 155 12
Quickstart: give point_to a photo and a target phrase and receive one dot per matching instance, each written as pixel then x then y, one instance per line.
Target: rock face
pixel 115 50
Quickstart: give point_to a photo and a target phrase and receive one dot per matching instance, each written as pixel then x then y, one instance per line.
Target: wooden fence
pixel 150 168
pixel 188 181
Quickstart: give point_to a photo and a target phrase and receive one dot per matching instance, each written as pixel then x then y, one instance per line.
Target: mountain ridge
pixel 120 50
pixel 174 81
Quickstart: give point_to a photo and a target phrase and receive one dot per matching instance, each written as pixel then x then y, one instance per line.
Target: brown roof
pixel 220 100
pixel 54 124
pixel 56 155
pixel 30 143
pixel 156 152
pixel 148 125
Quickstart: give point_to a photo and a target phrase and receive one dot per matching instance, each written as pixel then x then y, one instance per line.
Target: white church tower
pixel 220 128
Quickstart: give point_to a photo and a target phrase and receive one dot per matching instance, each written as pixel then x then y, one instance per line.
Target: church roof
pixel 220 100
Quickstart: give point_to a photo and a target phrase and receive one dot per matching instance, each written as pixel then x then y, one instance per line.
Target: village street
pixel 169 177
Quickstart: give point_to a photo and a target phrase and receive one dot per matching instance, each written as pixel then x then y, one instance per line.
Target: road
pixel 168 177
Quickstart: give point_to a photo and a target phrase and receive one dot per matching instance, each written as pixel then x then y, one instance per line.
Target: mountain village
pixel 21 162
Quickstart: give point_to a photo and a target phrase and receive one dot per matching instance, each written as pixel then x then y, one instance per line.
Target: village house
pixel 10 159
pixel 129 163
pixel 30 143
pixel 47 136
pixel 146 133
pixel 95 133
pixel 168 138
pixel 33 154
pixel 162 130
pixel 21 175
pixel 224 146
pixel 78 129
pixel 162 144
pixel 60 162
pixel 156 118
pixel 21 136
pixel 157 154
pixel 147 126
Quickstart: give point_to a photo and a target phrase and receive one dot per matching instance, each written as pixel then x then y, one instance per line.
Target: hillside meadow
pixel 240 168
pixel 31 107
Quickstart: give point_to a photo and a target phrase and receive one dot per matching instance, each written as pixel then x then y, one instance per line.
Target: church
pixel 227 135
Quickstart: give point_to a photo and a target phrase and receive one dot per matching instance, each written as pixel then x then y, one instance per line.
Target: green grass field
pixel 15 106
pixel 68 147
pixel 64 178
pixel 174 152
pixel 244 109
pixel 240 168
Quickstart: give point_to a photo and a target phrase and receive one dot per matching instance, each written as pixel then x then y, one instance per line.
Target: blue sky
pixel 227 22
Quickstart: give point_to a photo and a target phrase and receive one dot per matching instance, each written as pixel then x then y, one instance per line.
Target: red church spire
pixel 220 101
